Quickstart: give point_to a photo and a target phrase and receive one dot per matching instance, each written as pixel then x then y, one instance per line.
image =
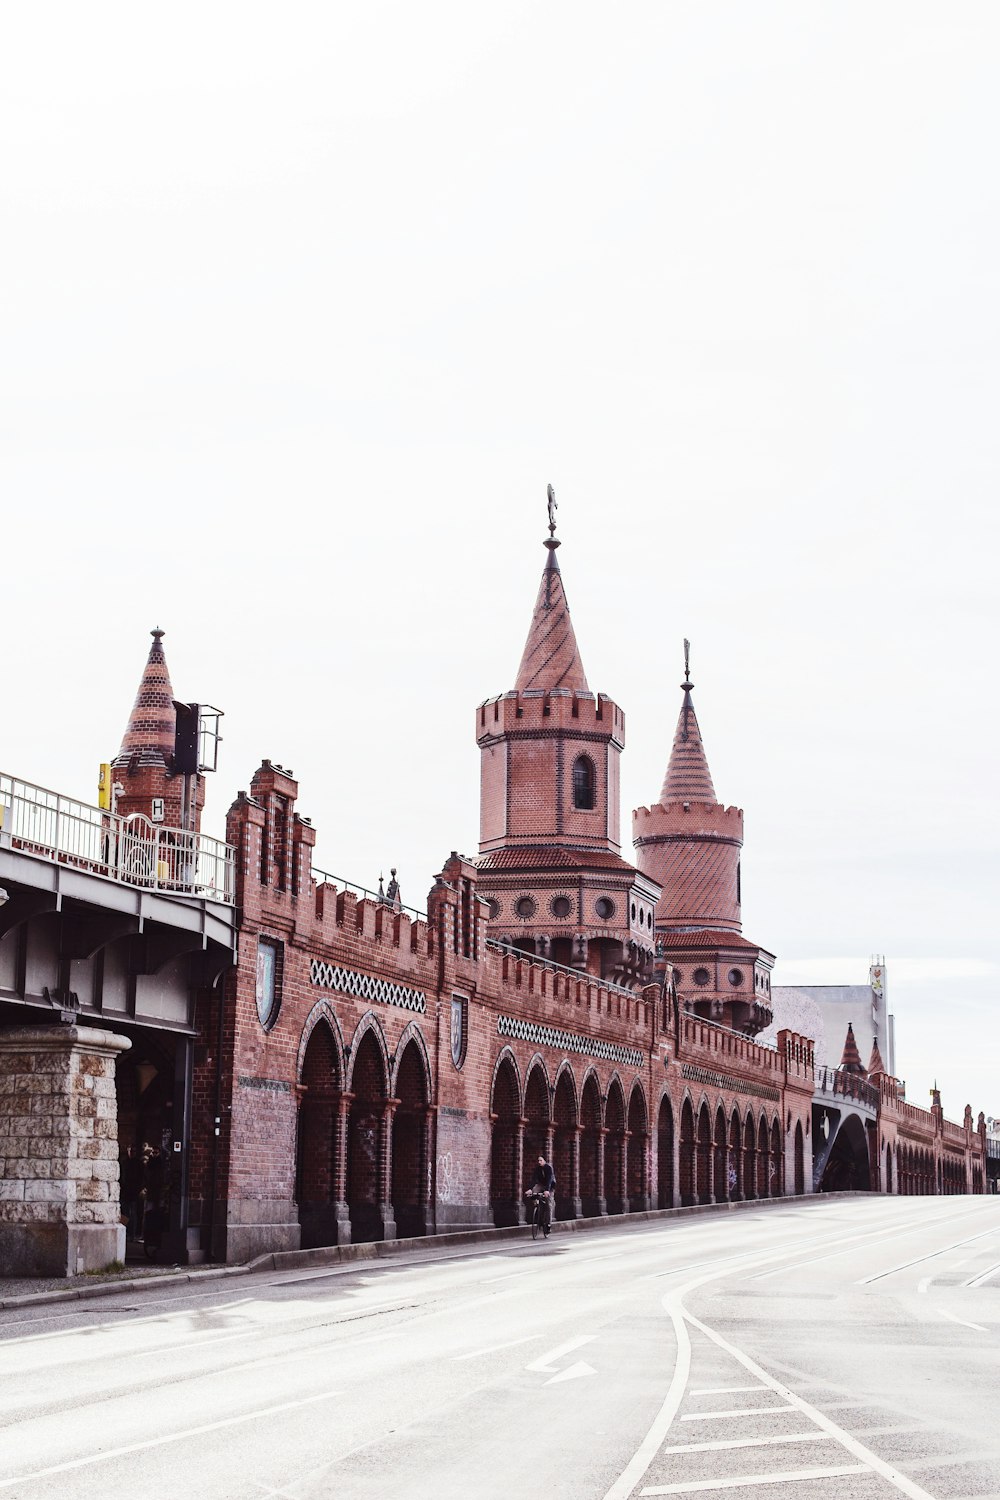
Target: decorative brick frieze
pixel 694 1074
pixel 366 986
pixel 569 1041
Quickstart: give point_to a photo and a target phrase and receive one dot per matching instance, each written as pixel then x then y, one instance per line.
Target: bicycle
pixel 541 1214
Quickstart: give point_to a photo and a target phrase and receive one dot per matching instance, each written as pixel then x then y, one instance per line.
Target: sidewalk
pixel 33 1292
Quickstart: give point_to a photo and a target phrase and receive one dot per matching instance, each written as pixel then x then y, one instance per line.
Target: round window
pixel 495 909
pixel 678 976
pixel 605 908
pixel 701 976
pixel 736 977
pixel 561 906
pixel 525 907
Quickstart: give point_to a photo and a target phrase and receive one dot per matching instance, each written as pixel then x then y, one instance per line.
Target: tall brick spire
pixel 551 657
pixel 149 737
pixel 688 778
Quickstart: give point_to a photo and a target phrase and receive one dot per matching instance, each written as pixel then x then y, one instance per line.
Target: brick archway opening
pixel 409 1145
pixel 763 1161
pixel 735 1158
pixel 687 1154
pixel 366 1187
pixel 848 1167
pixel 775 1162
pixel 504 1168
pixel 614 1150
pixel 536 1124
pixel 721 1164
pixel 749 1159
pixel 316 1178
pixel 704 1183
pixel 563 1145
pixel 637 1177
pixel 665 1155
pixel 591 1196
pixel 800 1160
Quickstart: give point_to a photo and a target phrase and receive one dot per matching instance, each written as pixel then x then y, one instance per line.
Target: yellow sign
pixel 104 787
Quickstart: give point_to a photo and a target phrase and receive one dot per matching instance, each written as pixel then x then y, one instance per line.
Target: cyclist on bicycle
pixel 543 1185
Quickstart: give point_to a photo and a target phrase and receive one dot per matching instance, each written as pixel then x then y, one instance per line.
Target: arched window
pixel 584 780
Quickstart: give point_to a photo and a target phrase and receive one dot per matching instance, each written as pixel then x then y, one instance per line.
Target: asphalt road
pixel 812 1348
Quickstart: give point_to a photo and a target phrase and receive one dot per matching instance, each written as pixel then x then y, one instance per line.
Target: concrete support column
pixel 59 1112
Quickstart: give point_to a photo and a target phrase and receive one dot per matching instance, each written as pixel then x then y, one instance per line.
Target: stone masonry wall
pixel 59 1191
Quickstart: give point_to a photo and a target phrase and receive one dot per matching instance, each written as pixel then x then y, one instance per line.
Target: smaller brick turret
pixel 143 769
pixel 690 844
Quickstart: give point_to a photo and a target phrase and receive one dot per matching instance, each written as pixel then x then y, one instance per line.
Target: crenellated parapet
pixel 555 711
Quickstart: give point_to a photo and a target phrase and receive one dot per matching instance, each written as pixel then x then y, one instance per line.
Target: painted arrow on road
pixel 573 1373
pixel 546 1363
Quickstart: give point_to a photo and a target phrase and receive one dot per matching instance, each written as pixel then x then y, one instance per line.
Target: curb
pixel 336 1255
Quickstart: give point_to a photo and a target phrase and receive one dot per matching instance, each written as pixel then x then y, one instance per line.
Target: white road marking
pixel 847 1240
pixel 701 1485
pixel 931 1255
pixel 572 1373
pixel 977 1326
pixel 766 1442
pixel 492 1348
pixel 923 1285
pixel 984 1277
pixel 868 1458
pixel 648 1448
pixel 546 1362
pixel 726 1390
pixel 741 1411
pixel 170 1437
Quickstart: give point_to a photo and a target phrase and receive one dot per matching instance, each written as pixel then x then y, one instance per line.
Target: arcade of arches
pixel 363 1139
pixel 600 1147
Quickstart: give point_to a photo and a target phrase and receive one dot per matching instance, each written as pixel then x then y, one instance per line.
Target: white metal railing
pixel 131 850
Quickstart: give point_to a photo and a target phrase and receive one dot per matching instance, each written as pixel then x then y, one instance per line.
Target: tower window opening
pixel 584 783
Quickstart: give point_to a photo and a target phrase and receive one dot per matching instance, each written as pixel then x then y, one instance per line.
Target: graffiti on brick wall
pixel 449 1178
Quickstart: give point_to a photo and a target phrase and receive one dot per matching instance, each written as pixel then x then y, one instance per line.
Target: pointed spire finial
pixel 686 687
pixel 553 507
pixel 157 633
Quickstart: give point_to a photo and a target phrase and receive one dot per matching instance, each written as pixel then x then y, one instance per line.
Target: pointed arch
pixel 720 1166
pixel 564 1143
pixel 665 1153
pixel 413 1035
pixel 614 1147
pixel 800 1160
pixel 506 1058
pixel 591 1118
pixel 763 1159
pixel 505 1140
pixel 318 1145
pixel 321 1011
pixel 704 1159
pixel 749 1156
pixel 369 1025
pixel 775 1162
pixel 687 1152
pixel 637 1146
pixel 537 1119
pixel 735 1156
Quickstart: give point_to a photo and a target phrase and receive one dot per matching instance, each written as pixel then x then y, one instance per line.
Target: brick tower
pixel 550 822
pixel 690 843
pixel 143 769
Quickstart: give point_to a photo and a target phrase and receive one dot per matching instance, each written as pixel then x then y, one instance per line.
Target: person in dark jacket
pixel 543 1185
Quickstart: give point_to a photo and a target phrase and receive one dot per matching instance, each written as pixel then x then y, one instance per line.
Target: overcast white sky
pixel 303 307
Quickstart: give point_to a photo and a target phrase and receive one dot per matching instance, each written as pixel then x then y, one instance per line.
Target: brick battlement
pixel 717 1048
pixel 584 714
pixel 561 998
pixel 686 820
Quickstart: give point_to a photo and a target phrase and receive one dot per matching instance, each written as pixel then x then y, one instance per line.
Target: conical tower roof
pixel 875 1063
pixel 688 778
pixel 153 721
pixel 851 1062
pixel 551 657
